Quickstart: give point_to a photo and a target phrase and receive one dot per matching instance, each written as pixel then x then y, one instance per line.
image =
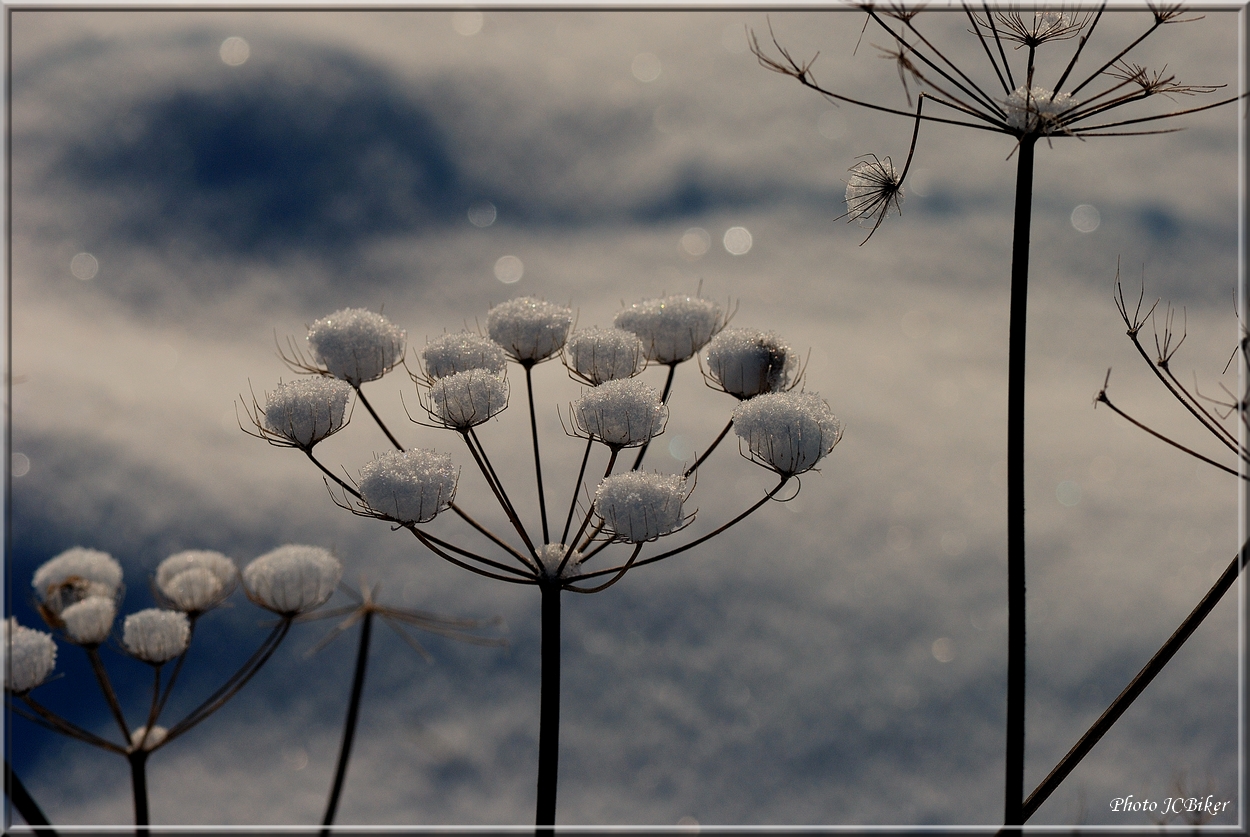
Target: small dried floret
pixel 529 329
pixel 550 555
pixel 196 580
pixel 788 432
pixel 409 486
pixel 461 352
pixel 1037 110
pixel 30 654
pixel 638 507
pixel 356 345
pixel 874 191
pixel 746 363
pixel 292 579
pixel 672 328
pixel 151 740
pixel 598 355
pixel 90 621
pixel 467 399
pixel 74 575
pixel 619 413
pixel 155 635
pixel 306 410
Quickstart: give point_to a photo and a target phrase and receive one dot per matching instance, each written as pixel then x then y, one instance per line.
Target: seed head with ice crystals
pixel 673 328
pixel 30 656
pixel 196 580
pixel 787 432
pixel 409 486
pixel 638 507
pixel 292 579
pixel 303 412
pixel 76 574
pixel 156 636
pixel 599 355
pixel 466 399
pixel 746 363
pixel 356 345
pixel 528 329
pixel 460 352
pixel 90 621
pixel 620 414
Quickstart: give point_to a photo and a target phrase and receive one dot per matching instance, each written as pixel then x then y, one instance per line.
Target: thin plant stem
pixel 590 513
pixel 483 559
pixel 668 387
pixel 102 676
pixel 331 474
pixel 361 396
pixel 483 463
pixel 349 726
pixel 538 464
pixel 499 542
pixel 55 722
pixel 708 452
pixel 549 707
pixel 169 686
pixel 1103 399
pixel 155 709
pixel 577 486
pixel 25 803
pixel 1080 47
pixel 139 787
pixel 1218 430
pixel 433 547
pixel 624 569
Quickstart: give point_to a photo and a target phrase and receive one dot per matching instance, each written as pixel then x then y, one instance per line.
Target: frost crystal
pixel 356 345
pixel 461 352
pixel 619 413
pixel 155 635
pixel 74 575
pixel 466 399
pixel 409 486
pixel 598 355
pixel 1037 109
pixel 638 507
pixel 31 656
pixel 787 432
pixel 550 555
pixel 196 580
pixel 90 621
pixel 154 738
pixel 306 410
pixel 674 328
pixel 746 363
pixel 292 579
pixel 529 329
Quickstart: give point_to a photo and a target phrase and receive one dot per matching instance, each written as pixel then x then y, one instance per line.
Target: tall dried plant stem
pixel 549 705
pixel 139 786
pixel 538 464
pixel 349 725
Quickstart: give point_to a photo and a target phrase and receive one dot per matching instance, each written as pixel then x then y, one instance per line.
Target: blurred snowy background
pixel 188 184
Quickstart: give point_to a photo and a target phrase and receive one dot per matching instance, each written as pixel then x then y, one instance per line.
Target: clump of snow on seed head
pixel 788 432
pixel 461 352
pixel 196 580
pixel 467 399
pixel 303 412
pixel 745 363
pixel 29 655
pixel 292 579
pixel 90 621
pixel 156 636
pixel 598 355
pixel 409 486
pixel 638 507
pixel 76 574
pixel 529 329
pixel 1037 109
pixel 356 345
pixel 619 413
pixel 673 328
pixel 150 740
pixel 550 555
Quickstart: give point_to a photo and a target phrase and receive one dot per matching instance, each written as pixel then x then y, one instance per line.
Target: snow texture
pixel 292 578
pixel 786 431
pixel 673 328
pixel 196 580
pixel 467 399
pixel 550 555
pixel 90 621
pixel 356 345
pixel 154 738
pixel 306 410
pixel 620 413
pixel 74 575
pixel 31 656
pixel 409 486
pixel 599 355
pixel 155 635
pixel 1036 109
pixel 529 329
pixel 746 363
pixel 638 507
pixel 460 352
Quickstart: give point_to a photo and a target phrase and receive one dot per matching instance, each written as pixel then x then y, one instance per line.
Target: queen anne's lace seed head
pixel 155 635
pixel 550 555
pixel 619 413
pixel 788 432
pixel 746 363
pixel 598 355
pixel 153 738
pixel 461 352
pixel 874 192
pixel 74 575
pixel 196 580
pixel 1037 110
pixel 409 486
pixel 467 399
pixel 90 621
pixel 292 579
pixel 30 656
pixel 673 328
pixel 356 345
pixel 529 329
pixel 306 410
pixel 638 507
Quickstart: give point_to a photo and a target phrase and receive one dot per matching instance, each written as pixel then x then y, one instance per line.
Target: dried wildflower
pixel 356 345
pixel 149 740
pixel 467 399
pixel 1038 110
pixel 599 355
pixel 621 414
pixel 673 328
pixel 1044 26
pixel 409 486
pixel 74 575
pixel 746 363
pixel 292 579
pixel 638 507
pixel 552 554
pixel 30 656
pixel 196 580
pixel 89 621
pixel 303 412
pixel 787 432
pixel 461 352
pixel 874 191
pixel 529 330
pixel 155 635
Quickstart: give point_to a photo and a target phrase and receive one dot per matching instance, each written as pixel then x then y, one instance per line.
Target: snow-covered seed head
pixel 74 575
pixel 155 635
pixel 409 486
pixel 356 345
pixel 621 414
pixel 90 621
pixel 303 412
pixel 550 555
pixel 598 355
pixel 461 352
pixel 467 399
pixel 874 191
pixel 30 656
pixel 150 740
pixel 672 328
pixel 292 579
pixel 196 580
pixel 746 363
pixel 1037 110
pixel 529 329
pixel 788 432
pixel 638 507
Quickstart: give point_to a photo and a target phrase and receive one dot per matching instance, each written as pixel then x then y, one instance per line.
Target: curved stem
pixel 483 464
pixel 708 452
pixel 349 726
pixel 1103 399
pixel 624 569
pixel 430 545
pixel 538 463
pixel 361 396
pixel 173 677
pixel 61 725
pixel 451 547
pixel 332 475
pixel 668 387
pixel 590 513
pixel 102 677
pixel 25 803
pixel 495 539
pixel 549 707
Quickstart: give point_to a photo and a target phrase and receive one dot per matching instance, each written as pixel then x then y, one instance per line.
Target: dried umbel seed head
pixel 599 355
pixel 30 656
pixel 303 412
pixel 196 580
pixel 148 740
pixel 621 414
pixel 746 363
pixel 1037 110
pixel 292 579
pixel 638 507
pixel 466 399
pixel 409 486
pixel 156 636
pixel 529 329
pixel 787 432
pixel 76 574
pixel 90 621
pixel 550 555
pixel 356 345
pixel 461 352
pixel 674 328
pixel 874 191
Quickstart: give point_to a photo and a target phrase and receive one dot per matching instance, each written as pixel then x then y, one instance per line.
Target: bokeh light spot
pixel 235 51
pixel 19 464
pixel 738 241
pixel 1086 218
pixel 467 23
pixel 509 269
pixel 84 266
pixel 943 649
pixel 482 214
pixel 1068 492
pixel 645 67
pixel 695 242
pixel 679 448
